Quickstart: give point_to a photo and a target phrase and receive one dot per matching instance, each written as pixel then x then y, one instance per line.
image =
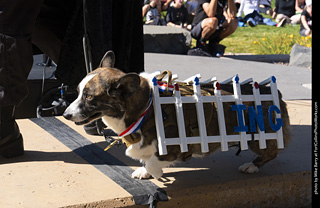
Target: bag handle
pixel 163 74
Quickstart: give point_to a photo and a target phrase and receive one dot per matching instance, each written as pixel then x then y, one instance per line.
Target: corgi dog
pixel 119 99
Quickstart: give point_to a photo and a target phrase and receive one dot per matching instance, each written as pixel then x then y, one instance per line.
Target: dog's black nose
pixel 67 116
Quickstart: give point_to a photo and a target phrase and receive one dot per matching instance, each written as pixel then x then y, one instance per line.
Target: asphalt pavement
pixel 293 82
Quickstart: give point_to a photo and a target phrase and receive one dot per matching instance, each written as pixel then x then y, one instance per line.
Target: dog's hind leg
pixel 264 156
pixel 271 152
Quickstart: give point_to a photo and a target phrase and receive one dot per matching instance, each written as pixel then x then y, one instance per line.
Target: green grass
pixel 264 39
pixel 244 39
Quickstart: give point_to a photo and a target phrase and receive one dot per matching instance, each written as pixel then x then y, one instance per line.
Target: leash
pixel 112 144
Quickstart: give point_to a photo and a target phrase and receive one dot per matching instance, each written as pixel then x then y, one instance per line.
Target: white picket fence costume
pixel 217 98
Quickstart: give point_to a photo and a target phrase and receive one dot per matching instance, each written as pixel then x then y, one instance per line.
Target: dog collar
pixel 136 125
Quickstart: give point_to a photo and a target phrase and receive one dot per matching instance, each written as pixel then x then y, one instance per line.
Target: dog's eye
pixel 89 97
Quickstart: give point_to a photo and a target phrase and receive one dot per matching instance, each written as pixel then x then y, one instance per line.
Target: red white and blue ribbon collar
pixel 136 125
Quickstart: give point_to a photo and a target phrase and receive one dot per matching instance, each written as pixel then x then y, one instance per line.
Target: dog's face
pixel 102 92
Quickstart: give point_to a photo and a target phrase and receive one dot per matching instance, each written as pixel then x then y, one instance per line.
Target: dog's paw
pixel 248 168
pixel 141 173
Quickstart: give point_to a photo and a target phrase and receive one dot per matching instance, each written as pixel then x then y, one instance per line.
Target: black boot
pixel 11 142
pixel 216 49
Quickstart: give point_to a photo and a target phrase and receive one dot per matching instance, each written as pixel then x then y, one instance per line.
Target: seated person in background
pixel 211 23
pixel 306 20
pixel 286 12
pixel 265 7
pixel 165 4
pixel 301 4
pixel 250 8
pixel 177 15
pixel 151 10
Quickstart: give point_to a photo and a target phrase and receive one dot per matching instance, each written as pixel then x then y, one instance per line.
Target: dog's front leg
pixel 153 166
pixel 141 173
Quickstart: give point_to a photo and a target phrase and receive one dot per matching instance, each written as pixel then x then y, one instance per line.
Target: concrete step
pixel 165 39
pixel 64 167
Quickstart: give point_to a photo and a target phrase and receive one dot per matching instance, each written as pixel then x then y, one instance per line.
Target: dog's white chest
pixel 117 125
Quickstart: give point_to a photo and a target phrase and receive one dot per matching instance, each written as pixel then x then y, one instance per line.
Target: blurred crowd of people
pixel 180 13
pixel 210 21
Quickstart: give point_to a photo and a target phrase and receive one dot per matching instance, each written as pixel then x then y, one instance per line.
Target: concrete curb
pixel 269 58
pixel 287 190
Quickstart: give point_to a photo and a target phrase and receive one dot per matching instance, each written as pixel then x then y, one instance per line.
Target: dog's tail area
pixel 286 121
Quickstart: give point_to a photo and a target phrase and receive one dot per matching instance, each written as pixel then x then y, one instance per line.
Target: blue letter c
pixel 279 122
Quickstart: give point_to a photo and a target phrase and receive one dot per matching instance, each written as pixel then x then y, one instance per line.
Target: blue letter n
pixel 256 118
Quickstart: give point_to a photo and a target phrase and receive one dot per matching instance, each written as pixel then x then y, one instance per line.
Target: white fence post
pixel 200 115
pixel 275 96
pixel 221 121
pixel 180 120
pixel 158 119
pixel 237 95
pixel 257 99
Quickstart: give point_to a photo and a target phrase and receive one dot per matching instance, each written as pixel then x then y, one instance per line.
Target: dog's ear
pixel 108 60
pixel 126 86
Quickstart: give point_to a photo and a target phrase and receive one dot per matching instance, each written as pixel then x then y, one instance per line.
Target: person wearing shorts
pixel 214 20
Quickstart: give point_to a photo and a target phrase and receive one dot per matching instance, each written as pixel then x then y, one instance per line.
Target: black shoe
pixel 216 49
pixel 200 50
pixel 202 45
pixel 11 141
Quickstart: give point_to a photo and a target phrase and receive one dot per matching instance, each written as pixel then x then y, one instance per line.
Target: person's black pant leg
pixel 17 19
